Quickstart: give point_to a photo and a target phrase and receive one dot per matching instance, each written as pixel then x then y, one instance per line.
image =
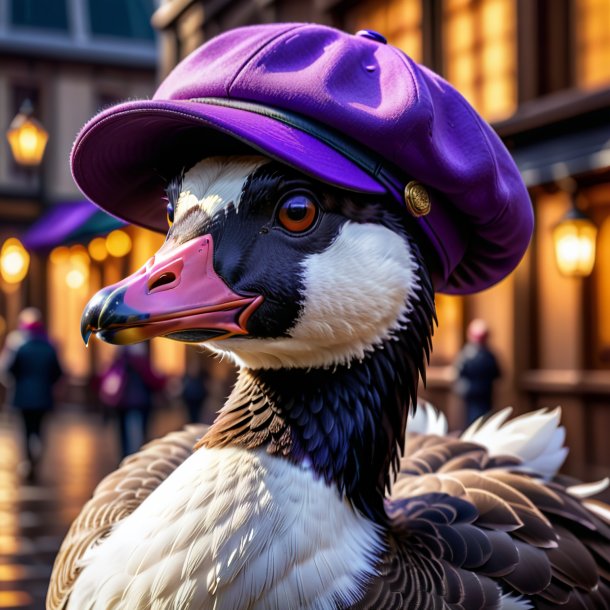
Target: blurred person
pixel 194 390
pixel 128 387
pixel 476 370
pixel 29 365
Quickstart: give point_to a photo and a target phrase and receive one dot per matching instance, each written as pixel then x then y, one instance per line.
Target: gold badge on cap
pixel 417 199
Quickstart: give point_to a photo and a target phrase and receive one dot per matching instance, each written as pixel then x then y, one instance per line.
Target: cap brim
pixel 123 158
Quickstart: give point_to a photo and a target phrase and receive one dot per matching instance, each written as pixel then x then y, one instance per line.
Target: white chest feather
pixel 232 529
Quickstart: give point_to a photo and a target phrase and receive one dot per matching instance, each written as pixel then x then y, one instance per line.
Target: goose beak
pixel 176 294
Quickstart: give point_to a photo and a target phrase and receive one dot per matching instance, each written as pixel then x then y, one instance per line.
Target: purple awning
pixel 68 223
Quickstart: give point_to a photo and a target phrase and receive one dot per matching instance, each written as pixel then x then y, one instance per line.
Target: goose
pixel 313 489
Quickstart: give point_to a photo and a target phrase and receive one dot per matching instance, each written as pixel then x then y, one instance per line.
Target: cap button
pixel 372 35
pixel 417 199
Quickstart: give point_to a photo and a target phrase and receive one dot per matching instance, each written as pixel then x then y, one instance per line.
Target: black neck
pixel 349 423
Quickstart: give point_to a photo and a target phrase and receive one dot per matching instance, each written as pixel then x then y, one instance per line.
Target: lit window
pixel 68 291
pixel 480 53
pixel 592 30
pixel 117 18
pixel 596 321
pixel 600 337
pixel 448 337
pixel 399 21
pixel 42 14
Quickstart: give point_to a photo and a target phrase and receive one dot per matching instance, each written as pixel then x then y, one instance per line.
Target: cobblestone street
pixel 36 513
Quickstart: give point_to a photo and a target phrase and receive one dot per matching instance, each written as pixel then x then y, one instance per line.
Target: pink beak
pixel 177 294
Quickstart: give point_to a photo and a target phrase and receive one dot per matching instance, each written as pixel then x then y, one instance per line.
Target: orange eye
pixel 170 214
pixel 297 213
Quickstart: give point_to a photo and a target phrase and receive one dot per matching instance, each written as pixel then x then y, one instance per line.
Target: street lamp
pixel 574 238
pixel 27 137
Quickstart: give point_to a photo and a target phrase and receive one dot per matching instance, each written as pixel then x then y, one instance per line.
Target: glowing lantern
pixel 27 137
pixel 574 238
pixel 14 261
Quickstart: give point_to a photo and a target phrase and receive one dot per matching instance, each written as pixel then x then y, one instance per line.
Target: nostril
pixel 165 278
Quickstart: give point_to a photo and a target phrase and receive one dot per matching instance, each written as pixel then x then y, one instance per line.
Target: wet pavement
pixel 36 512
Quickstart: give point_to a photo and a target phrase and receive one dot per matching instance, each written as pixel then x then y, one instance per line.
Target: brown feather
pixel 572 562
pixel 544 543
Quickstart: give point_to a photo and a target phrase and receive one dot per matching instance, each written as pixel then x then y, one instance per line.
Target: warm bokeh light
pixel 145 244
pixel 118 243
pixel 14 261
pixel 97 249
pixel 11 572
pixel 59 255
pixel 79 257
pixel 10 544
pixel 27 138
pixel 8 494
pixel 78 272
pixel 75 278
pixel 15 599
pixel 574 237
pixel 168 357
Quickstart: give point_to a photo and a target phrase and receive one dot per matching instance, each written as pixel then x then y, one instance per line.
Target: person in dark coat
pixel 194 389
pixel 128 388
pixel 477 368
pixel 30 363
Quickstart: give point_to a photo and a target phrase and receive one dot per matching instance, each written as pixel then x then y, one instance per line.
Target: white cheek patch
pixel 357 294
pixel 216 182
pixel 355 291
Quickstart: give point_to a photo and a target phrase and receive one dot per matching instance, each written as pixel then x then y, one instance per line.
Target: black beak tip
pixel 89 322
pixel 86 333
pixel 106 312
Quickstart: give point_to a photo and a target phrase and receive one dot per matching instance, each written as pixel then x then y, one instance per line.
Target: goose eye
pixel 297 213
pixel 170 214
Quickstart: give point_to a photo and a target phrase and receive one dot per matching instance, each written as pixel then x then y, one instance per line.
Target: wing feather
pixel 484 521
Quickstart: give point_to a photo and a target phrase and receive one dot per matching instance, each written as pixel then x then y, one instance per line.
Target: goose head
pixel 273 268
pixel 321 296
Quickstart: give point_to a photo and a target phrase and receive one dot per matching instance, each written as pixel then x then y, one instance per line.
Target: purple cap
pixel 351 111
